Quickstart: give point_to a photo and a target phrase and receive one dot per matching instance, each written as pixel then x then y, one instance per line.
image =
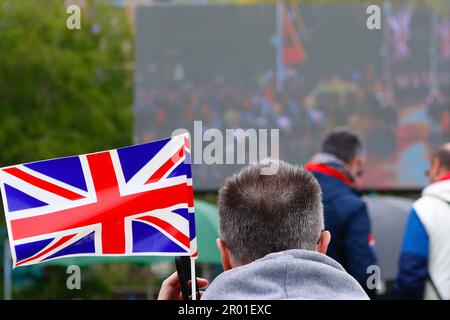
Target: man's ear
pixel 324 241
pixel 356 165
pixel 435 170
pixel 439 168
pixel 225 254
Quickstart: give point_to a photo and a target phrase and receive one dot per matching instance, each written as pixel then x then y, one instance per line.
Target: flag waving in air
pixel 135 200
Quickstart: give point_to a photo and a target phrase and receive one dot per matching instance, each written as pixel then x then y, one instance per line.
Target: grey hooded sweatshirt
pixel 291 274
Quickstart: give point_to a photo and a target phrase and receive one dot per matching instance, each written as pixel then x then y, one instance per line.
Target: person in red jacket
pixel 346 216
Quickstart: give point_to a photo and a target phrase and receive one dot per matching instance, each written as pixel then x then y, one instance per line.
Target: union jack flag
pixel 135 200
pixel 400 25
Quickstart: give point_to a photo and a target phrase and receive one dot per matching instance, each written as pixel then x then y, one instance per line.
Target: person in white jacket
pixel 424 267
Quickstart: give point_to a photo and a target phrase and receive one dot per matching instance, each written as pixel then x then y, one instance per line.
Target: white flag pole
pixel 194 280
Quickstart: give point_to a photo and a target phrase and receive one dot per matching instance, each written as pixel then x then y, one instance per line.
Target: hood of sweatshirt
pixel 291 274
pixel 439 190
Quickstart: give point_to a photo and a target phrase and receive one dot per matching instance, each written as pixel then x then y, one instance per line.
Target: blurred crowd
pixel 384 115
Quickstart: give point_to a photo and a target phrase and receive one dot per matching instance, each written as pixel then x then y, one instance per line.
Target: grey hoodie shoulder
pixel 292 274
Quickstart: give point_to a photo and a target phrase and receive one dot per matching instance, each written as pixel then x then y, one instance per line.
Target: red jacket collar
pixel 323 168
pixel 444 177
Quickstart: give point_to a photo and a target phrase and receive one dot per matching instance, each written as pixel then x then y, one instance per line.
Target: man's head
pixel 345 145
pixel 440 163
pixel 262 214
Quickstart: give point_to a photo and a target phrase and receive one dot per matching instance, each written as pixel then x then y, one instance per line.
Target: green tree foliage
pixel 63 92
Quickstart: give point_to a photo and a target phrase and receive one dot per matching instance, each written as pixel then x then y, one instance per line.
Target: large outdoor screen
pixel 303 69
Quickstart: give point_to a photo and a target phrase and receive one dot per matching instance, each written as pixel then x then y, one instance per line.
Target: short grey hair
pixel 261 214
